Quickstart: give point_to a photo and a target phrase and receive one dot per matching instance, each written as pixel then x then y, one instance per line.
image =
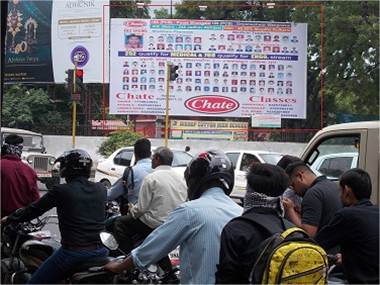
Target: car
pixel 241 160
pixel 34 154
pixel 112 168
pixel 333 165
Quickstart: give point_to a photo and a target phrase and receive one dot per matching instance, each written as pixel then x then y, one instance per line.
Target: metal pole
pixel 167 103
pixel 74 125
pixel 171 9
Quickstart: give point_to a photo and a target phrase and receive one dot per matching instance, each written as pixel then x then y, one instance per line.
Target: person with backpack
pixel 80 207
pixel 241 236
pixel 127 188
pixel 261 247
pixel 355 228
pixel 195 225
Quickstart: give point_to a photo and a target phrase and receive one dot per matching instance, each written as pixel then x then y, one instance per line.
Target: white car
pixel 242 159
pixel 112 168
pixel 335 164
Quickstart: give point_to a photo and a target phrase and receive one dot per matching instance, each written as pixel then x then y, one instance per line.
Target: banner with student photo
pixel 226 68
pixel 28 41
pixel 78 31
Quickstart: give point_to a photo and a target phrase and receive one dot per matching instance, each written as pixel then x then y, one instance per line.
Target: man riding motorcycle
pixel 81 211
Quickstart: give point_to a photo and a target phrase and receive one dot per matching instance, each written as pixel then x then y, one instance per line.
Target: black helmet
pixel 209 166
pixel 76 162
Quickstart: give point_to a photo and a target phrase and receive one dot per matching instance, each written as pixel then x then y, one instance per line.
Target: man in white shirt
pixel 160 193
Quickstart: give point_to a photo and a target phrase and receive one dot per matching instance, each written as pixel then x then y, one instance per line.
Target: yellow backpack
pixel 290 257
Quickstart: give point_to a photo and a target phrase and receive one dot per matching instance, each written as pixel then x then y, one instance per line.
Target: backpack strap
pixel 128 170
pixel 292 230
pixel 265 221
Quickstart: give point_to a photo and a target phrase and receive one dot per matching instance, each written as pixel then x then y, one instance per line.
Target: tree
pixel 29 109
pixel 117 140
pixel 161 14
pixel 129 9
pixel 351 41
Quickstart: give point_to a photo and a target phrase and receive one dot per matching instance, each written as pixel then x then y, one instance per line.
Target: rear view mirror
pixel 109 240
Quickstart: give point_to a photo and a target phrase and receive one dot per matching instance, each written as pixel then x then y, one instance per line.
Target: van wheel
pixel 106 183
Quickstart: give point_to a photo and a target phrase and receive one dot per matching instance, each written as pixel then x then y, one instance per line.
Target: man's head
pixel 267 179
pixel 301 177
pixel 12 145
pixel 74 163
pixel 142 148
pixel 286 160
pixel 355 185
pixel 162 156
pixel 209 169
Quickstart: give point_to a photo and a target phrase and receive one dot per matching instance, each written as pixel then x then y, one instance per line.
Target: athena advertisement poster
pixel 226 68
pixel 43 37
pixel 28 41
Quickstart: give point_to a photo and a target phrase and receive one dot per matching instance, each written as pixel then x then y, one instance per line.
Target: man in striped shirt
pixel 195 225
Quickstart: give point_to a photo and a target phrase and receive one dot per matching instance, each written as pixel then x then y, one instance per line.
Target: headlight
pixel 30 161
pixel 51 161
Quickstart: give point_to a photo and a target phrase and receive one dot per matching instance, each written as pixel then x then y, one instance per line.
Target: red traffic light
pixel 79 73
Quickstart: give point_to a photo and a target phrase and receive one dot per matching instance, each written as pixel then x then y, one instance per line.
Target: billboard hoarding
pixel 226 68
pixel 28 41
pixel 78 31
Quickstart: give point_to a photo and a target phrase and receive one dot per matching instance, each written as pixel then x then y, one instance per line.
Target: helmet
pixel 76 162
pixel 209 166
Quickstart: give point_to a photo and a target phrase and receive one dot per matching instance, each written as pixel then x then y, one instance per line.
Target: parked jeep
pixel 34 154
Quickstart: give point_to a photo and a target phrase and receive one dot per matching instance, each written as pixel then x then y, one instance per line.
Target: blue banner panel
pixel 28 42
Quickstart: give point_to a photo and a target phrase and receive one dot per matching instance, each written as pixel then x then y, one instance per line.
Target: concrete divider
pixel 56 145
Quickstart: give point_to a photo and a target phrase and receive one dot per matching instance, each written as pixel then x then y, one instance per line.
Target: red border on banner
pixel 276 5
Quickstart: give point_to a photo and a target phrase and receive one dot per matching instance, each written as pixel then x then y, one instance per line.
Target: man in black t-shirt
pixel 320 198
pixel 356 229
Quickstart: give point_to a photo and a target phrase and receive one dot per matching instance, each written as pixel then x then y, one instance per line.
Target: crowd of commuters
pixel 218 239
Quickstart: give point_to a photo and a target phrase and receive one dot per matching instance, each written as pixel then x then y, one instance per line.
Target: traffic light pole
pixel 167 103
pixel 74 104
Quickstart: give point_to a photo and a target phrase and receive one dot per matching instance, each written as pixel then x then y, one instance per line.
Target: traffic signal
pixel 69 79
pixel 173 69
pixel 79 86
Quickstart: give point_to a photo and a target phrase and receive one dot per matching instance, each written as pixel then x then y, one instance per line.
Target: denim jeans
pixel 61 263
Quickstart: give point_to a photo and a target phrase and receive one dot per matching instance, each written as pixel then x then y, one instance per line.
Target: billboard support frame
pixel 276 5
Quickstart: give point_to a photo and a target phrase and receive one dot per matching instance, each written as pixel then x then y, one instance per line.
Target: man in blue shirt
pixel 143 166
pixel 356 229
pixel 195 225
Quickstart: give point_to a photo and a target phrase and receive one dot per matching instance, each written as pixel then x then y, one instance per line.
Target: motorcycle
pixel 24 247
pixel 152 275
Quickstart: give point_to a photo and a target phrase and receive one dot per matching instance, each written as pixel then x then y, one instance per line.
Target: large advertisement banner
pixel 78 31
pixel 226 68
pixel 44 36
pixel 27 47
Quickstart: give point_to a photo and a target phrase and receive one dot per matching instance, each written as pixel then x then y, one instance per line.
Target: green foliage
pixel 351 50
pixel 28 109
pixel 117 140
pixel 161 14
pixel 128 9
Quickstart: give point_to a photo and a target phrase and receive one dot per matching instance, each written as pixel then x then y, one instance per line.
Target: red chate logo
pixel 212 104
pixel 136 24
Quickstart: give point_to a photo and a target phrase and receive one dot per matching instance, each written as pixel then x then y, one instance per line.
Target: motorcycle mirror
pixel 152 268
pixel 109 240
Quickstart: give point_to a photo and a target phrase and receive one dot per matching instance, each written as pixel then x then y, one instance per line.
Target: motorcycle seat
pixel 96 261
